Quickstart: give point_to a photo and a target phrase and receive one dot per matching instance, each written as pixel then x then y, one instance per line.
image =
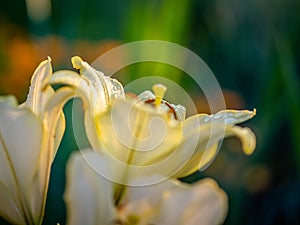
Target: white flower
pixel 156 139
pixel 29 138
pixel 90 200
pixel 150 135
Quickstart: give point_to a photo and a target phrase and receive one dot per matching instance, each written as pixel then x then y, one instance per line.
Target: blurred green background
pixel 251 46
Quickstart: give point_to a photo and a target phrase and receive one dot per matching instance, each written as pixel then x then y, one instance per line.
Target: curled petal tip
pixel 247 138
pixel 77 62
pixel 49 59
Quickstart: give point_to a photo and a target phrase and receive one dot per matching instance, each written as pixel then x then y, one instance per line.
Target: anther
pixel 159 91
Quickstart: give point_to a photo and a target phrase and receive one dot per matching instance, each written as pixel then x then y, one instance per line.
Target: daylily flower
pixel 90 200
pixel 29 138
pixel 150 134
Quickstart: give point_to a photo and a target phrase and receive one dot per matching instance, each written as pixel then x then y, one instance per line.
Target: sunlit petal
pixel 202 134
pixel 88 195
pixel 136 134
pixel 103 89
pixel 201 203
pixel 144 202
pixel 40 91
pixel 201 146
pixel 246 136
pixel 225 117
pixel 21 135
pixel 10 207
pixel 172 202
pixel 96 90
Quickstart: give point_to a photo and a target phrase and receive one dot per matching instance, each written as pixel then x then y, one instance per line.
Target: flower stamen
pixel 159 91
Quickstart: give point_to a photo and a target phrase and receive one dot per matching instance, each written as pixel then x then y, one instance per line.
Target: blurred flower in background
pixel 251 46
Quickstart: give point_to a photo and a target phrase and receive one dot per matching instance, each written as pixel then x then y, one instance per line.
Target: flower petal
pixel 9 207
pixel 88 195
pixel 53 130
pixel 40 91
pixel 54 120
pixel 198 149
pixel 225 117
pixel 144 202
pixel 136 134
pixel 246 136
pixel 21 135
pixel 201 203
pixel 102 88
pixel 202 134
pixel 172 202
pixel 96 90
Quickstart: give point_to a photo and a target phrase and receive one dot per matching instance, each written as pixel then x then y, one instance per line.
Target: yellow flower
pixel 149 135
pixel 89 198
pixel 29 138
pixel 144 140
pixel 157 139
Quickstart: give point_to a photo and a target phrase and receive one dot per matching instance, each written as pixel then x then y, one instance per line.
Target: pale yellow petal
pixel 21 134
pixel 137 134
pixel 246 136
pixel 40 91
pixel 96 90
pixel 145 201
pixel 88 195
pixel 53 119
pixel 203 133
pixel 199 161
pixel 103 89
pixel 20 137
pixel 198 149
pixel 172 202
pixel 10 209
pixel 225 117
pixel 92 132
pixel 53 130
pixel 149 190
pixel 202 203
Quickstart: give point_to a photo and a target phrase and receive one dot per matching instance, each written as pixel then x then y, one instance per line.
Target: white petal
pixel 54 126
pixel 40 91
pixel 198 149
pixel 88 195
pixel 144 202
pixel 103 89
pixel 92 132
pixel 198 161
pixel 135 193
pixel 137 135
pixel 202 134
pixel 53 119
pixel 225 117
pixel 96 90
pixel 172 202
pixel 246 136
pixel 21 135
pixel 201 203
pixel 10 210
